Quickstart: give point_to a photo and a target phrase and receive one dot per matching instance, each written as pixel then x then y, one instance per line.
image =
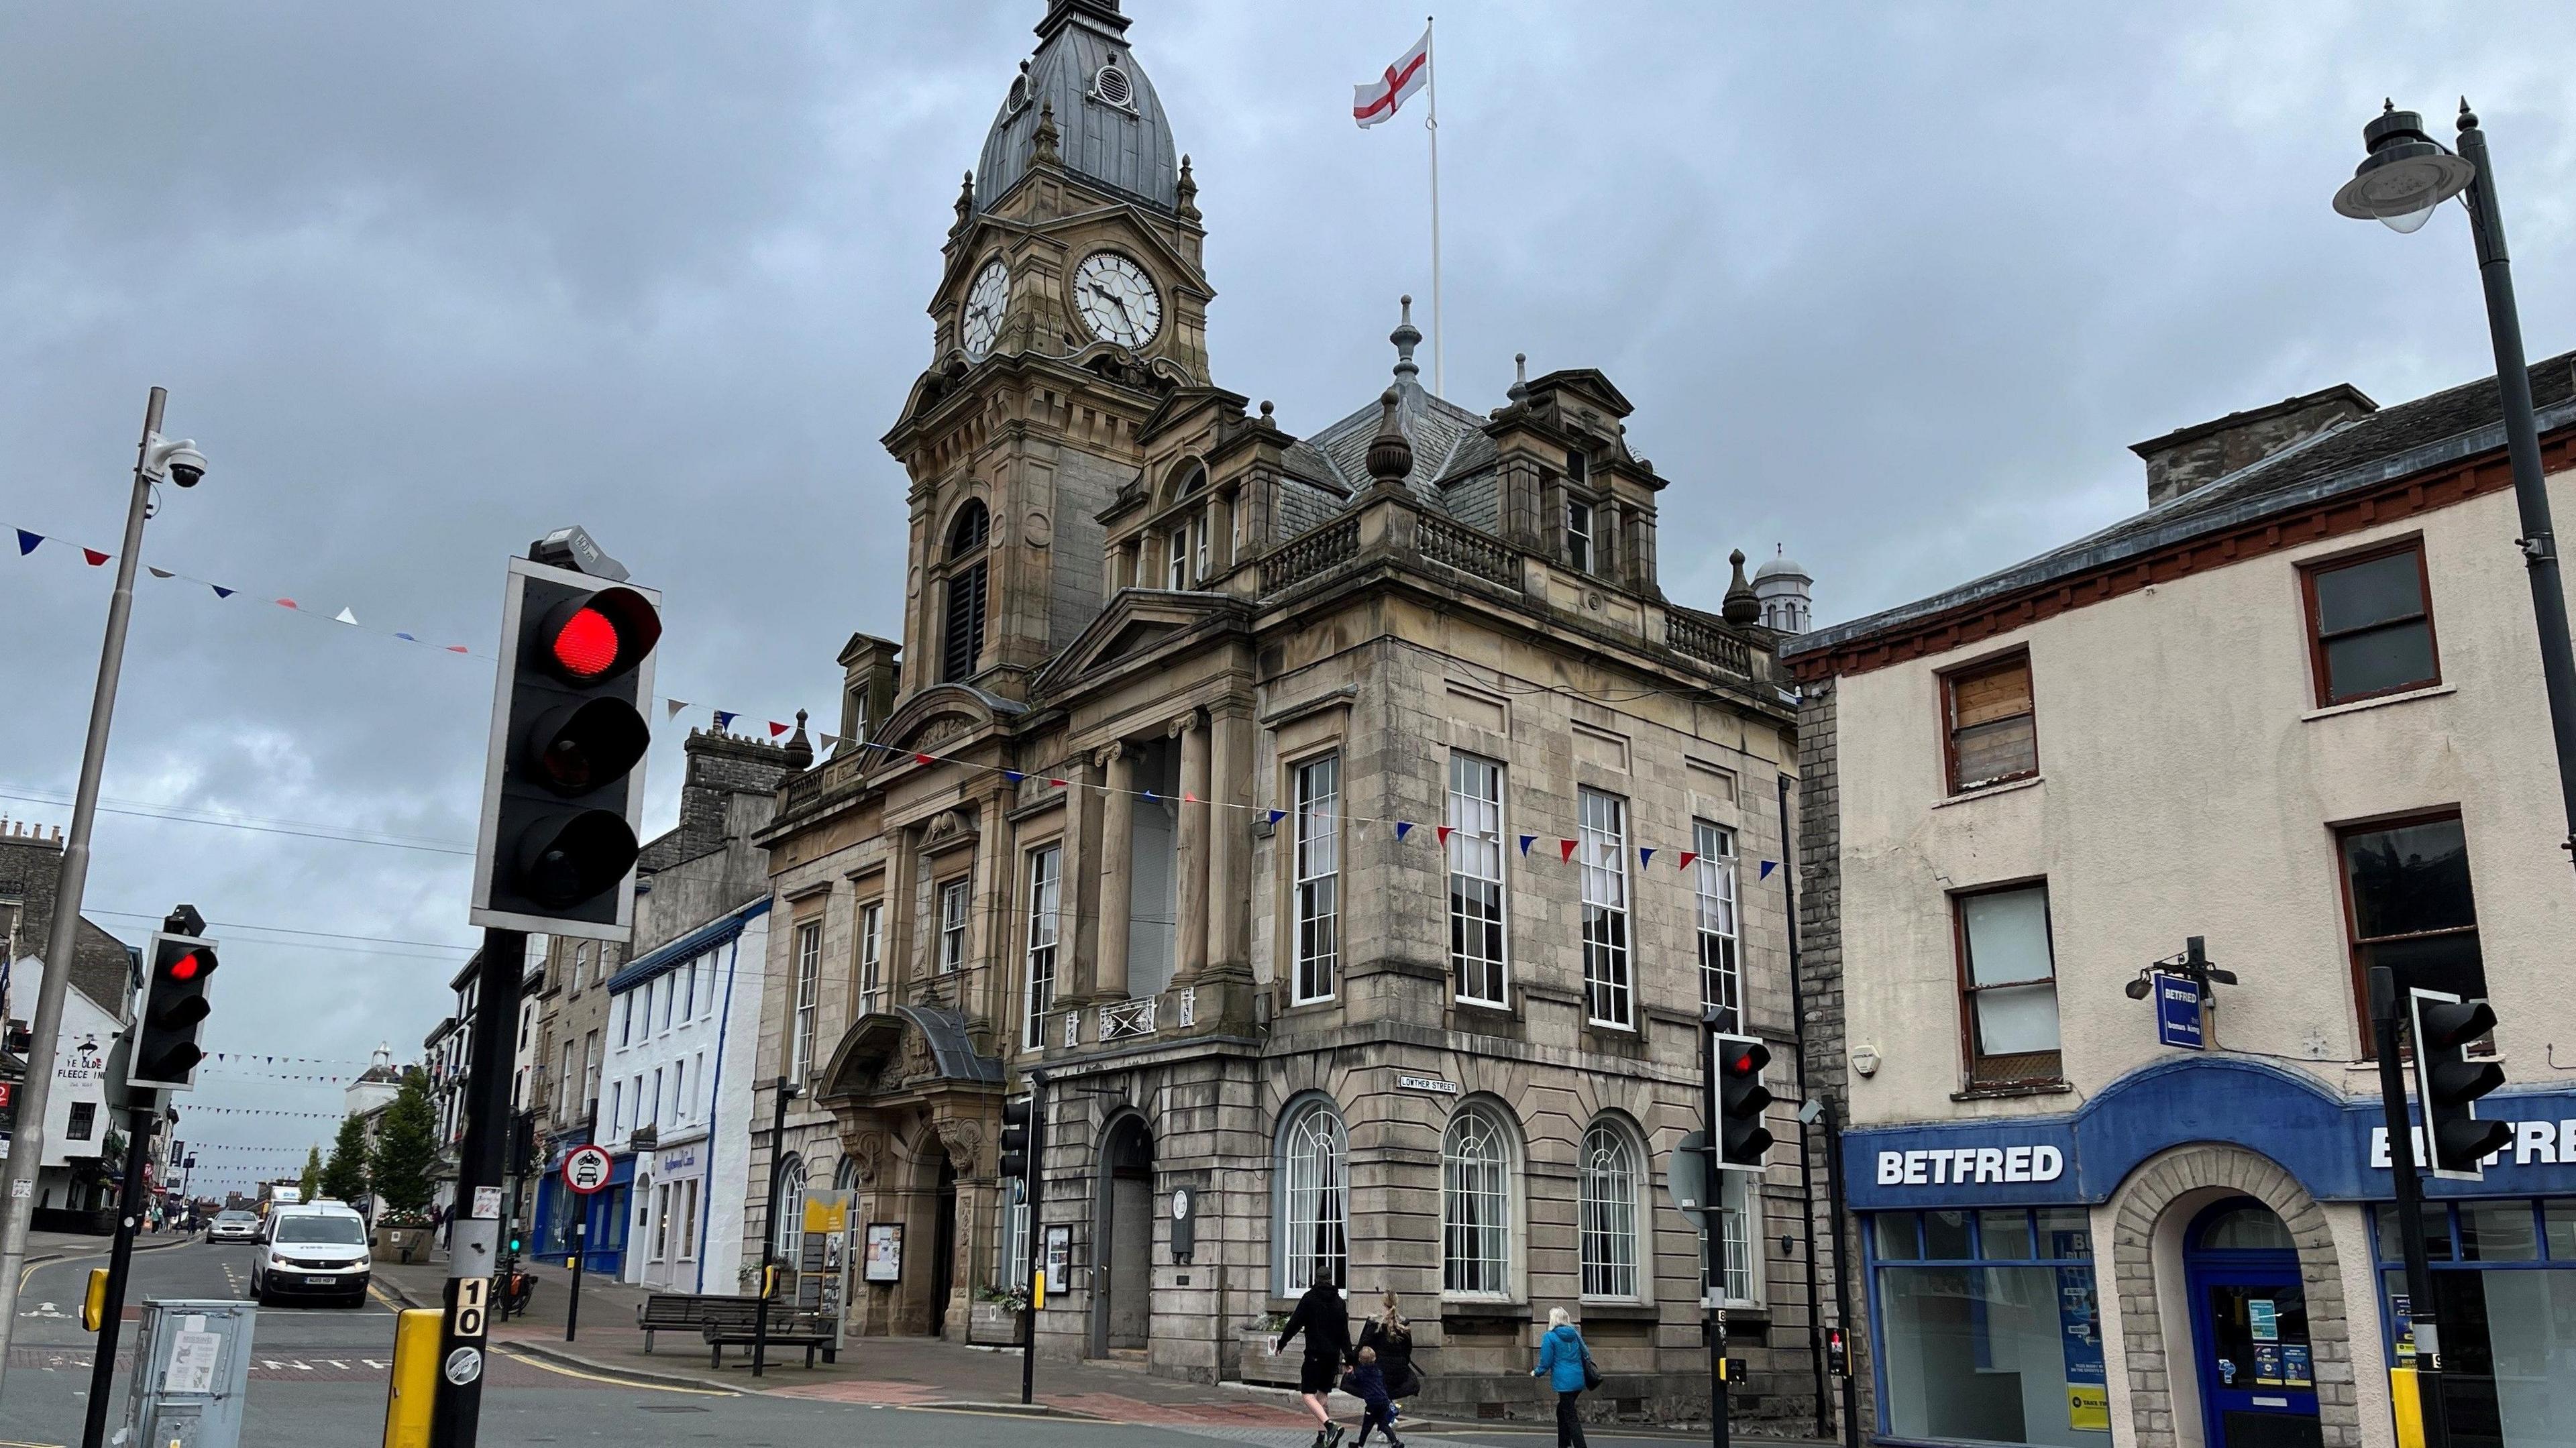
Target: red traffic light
pixel 591 638
pixel 586 644
pixel 187 966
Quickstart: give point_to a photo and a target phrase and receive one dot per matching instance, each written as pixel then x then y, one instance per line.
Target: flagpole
pixel 1431 123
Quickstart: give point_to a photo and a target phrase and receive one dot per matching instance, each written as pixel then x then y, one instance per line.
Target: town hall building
pixel 1345 827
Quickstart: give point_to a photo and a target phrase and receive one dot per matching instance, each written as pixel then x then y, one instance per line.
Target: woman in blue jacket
pixel 1561 1356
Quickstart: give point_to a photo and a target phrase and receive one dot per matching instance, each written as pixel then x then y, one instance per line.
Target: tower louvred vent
pixel 1111 85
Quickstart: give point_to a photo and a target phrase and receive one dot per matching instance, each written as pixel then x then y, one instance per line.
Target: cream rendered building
pixel 2294 709
pixel 1127 815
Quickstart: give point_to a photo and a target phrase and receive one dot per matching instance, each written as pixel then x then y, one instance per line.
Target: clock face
pixel 1116 299
pixel 984 304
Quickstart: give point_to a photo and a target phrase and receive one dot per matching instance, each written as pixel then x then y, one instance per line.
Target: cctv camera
pixel 178 461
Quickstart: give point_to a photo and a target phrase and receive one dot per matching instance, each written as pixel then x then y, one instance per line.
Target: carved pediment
pixel 1137 623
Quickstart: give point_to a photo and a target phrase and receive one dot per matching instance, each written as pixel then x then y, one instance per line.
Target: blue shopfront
pixel 559 1208
pixel 2214 1237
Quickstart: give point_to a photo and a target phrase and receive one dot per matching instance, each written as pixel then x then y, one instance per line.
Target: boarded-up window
pixel 1993 734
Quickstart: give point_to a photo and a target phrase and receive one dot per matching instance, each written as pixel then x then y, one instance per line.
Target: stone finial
pixel 1406 337
pixel 1267 420
pixel 1520 377
pixel 1189 207
pixel 1740 606
pixel 965 200
pixel 1390 453
pixel 1042 151
pixel 800 750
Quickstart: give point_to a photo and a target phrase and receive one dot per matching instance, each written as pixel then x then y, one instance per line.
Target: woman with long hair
pixel 1562 1358
pixel 1392 1336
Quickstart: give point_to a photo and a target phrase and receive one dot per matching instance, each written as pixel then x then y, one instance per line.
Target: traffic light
pixel 2449 1084
pixel 562 793
pixel 174 1009
pixel 1017 1129
pixel 1742 1138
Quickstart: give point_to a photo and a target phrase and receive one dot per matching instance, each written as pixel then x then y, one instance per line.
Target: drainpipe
pixel 1806 1157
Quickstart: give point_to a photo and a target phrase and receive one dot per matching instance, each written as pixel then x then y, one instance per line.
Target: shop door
pixel 2250 1334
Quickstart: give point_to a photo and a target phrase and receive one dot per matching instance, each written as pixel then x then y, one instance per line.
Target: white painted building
pixel 683 1020
pixel 76 1114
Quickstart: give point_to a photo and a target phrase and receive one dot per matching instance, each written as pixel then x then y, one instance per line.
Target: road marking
pixel 335 1362
pixel 371 1362
pixel 44 1309
pixel 538 1362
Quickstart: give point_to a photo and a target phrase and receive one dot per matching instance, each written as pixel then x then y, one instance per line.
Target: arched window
pixel 1011 1242
pixel 962 629
pixel 1606 1192
pixel 788 1232
pixel 845 1177
pixel 1475 1205
pixel 1314 1198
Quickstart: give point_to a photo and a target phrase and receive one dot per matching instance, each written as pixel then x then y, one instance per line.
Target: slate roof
pixel 2363 453
pixel 1438 429
pixel 1127 149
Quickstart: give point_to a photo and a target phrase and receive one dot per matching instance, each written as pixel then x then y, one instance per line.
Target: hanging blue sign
pixel 2178 1018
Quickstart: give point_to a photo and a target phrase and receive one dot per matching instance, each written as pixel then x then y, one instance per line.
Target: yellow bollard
pixel 413 1391
pixel 2408 1399
pixel 94 1301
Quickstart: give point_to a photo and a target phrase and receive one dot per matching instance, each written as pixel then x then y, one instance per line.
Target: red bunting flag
pixel 923 759
pixel 1188 798
pixel 94 556
pixel 776 728
pixel 1687 857
pixel 1564 850
pixel 286 603
pixel 1444 832
pixel 1057 783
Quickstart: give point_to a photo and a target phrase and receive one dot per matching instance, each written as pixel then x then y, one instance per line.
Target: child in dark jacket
pixel 1370 1385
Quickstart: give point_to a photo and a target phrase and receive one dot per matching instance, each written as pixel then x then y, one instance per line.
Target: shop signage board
pixel 2178 1015
pixel 2336 1146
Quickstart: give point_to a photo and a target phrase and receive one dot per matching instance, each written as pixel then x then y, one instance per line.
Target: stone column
pixel 1117 842
pixel 1221 545
pixel 1190 858
pixel 1229 837
pixel 988 932
pixel 1079 930
pixel 902 872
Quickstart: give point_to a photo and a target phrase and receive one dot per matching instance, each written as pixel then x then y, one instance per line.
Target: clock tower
pixel 1070 305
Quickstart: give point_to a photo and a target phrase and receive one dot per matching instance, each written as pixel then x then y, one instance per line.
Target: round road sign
pixel 586 1169
pixel 464 1365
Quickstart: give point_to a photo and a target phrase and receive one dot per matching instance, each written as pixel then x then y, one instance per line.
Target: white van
pixel 315 1249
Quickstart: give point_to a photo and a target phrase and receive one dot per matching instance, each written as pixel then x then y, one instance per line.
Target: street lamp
pixel 2405 176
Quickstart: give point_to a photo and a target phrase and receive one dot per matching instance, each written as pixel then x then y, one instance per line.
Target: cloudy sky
pixel 1891 285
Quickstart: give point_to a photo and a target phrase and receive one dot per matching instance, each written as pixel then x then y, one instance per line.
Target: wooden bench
pixel 674 1312
pixel 733 1321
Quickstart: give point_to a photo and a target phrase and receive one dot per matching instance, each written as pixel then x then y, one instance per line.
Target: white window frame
pixel 809 976
pixel 1477 858
pixel 661 1222
pixel 1477 1170
pixel 1199 547
pixel 1046 892
pixel 1608 931
pixel 1580 552
pixel 1315 860
pixel 653 1112
pixel 789 1243
pixel 1011 1271
pixel 626 1020
pixel 569 1080
pixel 1176 566
pixel 689 1220
pixel 871 955
pixel 616 1107
pixel 1313 1228
pixel 1610 1242
pixel 956 910
pixel 1720 918
pixel 1745 1277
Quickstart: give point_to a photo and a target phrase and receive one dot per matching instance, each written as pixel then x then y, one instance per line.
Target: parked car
pixel 233 1227
pixel 316 1249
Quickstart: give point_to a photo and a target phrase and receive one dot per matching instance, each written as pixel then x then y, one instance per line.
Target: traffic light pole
pixel 2410 1208
pixel 1036 1251
pixel 474 1226
pixel 769 1228
pixel 142 1115
pixel 1839 1214
pixel 35 1092
pixel 1713 1246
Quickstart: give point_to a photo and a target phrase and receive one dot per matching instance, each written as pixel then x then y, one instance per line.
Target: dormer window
pixel 1112 87
pixel 1578 533
pixel 1578 468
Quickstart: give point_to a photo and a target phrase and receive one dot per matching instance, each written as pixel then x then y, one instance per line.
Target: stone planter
pixel 993 1324
pixel 403 1244
pixel 1261 1364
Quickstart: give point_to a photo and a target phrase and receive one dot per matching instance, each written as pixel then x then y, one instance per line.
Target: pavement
pixel 318 1378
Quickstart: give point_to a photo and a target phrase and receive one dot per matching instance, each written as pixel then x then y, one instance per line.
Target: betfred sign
pixel 1970 1166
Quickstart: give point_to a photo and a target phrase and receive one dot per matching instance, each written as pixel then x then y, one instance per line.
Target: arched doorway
pixel 2249 1327
pixel 943 1246
pixel 1123 1312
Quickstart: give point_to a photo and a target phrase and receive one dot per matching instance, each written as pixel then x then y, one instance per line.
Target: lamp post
pixel 786 1091
pixel 2401 181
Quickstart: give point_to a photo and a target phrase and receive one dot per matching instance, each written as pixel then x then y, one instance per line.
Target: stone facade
pixel 1070 851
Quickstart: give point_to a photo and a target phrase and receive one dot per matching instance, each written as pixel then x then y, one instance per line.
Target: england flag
pixel 1377 100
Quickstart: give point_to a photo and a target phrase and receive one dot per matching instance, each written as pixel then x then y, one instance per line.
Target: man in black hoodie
pixel 1326 1322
